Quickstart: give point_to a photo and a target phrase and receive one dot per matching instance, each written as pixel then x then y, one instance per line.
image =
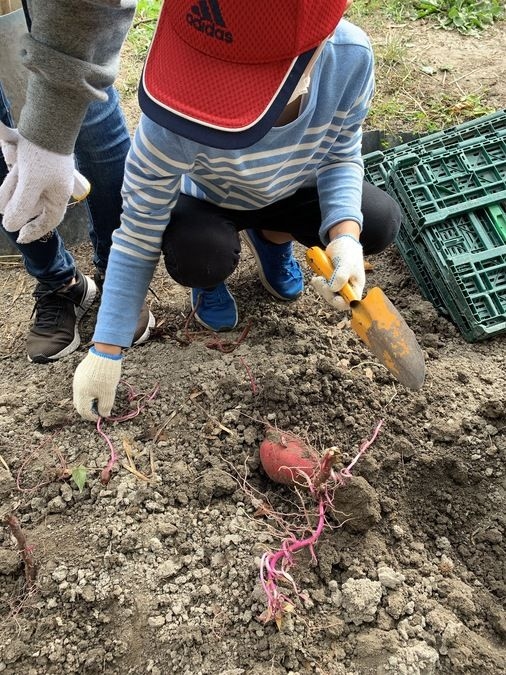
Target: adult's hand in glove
pixel 347 258
pixel 35 193
pixel 95 382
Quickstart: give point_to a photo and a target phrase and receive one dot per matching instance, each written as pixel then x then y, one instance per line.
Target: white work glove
pixel 347 258
pixel 95 382
pixel 36 191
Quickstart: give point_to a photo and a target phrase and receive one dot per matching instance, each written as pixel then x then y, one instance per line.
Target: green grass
pixel 402 111
pixel 467 16
pixel 143 26
pixel 393 10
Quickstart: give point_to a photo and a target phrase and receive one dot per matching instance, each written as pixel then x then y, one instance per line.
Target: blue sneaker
pixel 214 308
pixel 279 271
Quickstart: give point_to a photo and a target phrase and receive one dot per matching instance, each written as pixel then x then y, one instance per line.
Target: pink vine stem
pixel 274 565
pixel 141 401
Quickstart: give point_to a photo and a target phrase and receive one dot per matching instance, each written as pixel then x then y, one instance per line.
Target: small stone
pixel 59 574
pixel 166 529
pixel 153 506
pixel 397 531
pixel 56 505
pixel 389 578
pixel 156 621
pixel 88 593
pixel 168 569
pixel 66 492
pixel 155 544
pixel 9 561
pixel 336 598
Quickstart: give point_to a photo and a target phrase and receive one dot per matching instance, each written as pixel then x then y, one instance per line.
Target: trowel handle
pixel 321 264
pixel 82 186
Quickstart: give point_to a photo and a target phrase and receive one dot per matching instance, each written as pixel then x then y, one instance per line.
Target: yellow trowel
pixel 379 325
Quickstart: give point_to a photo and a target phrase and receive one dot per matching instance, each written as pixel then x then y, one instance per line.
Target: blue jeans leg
pixel 47 260
pixel 101 150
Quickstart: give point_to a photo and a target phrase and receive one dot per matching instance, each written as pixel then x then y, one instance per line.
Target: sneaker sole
pixel 87 302
pixel 261 274
pixel 145 336
pixel 205 325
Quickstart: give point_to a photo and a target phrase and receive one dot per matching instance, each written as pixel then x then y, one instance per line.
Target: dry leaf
pixel 263 510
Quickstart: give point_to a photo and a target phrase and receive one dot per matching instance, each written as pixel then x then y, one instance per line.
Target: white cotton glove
pixel 35 193
pixel 95 382
pixel 8 144
pixel 347 258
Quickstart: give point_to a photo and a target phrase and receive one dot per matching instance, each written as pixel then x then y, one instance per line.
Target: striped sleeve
pixel 150 190
pixel 340 176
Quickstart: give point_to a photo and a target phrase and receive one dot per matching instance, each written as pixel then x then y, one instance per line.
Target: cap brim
pixel 211 101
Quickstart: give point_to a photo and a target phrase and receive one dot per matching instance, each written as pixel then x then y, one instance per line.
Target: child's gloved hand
pixel 95 382
pixel 347 258
pixel 36 191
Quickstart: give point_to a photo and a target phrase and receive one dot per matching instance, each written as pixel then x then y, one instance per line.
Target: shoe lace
pixel 211 297
pixel 289 266
pixel 48 307
pixel 281 256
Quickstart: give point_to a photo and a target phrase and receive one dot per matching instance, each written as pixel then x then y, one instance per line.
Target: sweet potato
pixel 287 459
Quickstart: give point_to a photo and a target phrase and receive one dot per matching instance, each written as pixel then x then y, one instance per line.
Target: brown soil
pixel 429 78
pixel 161 576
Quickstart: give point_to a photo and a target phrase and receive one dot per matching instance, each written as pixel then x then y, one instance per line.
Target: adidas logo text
pixel 206 18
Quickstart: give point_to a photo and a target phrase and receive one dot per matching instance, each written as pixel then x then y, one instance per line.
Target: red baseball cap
pixel 220 72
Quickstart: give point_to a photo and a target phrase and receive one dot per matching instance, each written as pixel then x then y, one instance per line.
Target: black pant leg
pixel 201 246
pixel 382 219
pixel 300 216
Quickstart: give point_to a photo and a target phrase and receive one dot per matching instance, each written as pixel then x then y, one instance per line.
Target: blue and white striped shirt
pixel 322 147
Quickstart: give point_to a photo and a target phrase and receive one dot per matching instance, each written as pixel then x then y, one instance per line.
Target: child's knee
pixel 201 257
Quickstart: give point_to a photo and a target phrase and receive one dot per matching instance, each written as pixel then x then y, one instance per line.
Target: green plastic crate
pixel 411 256
pixel 488 126
pixel 474 131
pixel 469 289
pixel 460 267
pixel 433 188
pixel 376 169
pixel 476 284
pixel 466 233
pixel 451 187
